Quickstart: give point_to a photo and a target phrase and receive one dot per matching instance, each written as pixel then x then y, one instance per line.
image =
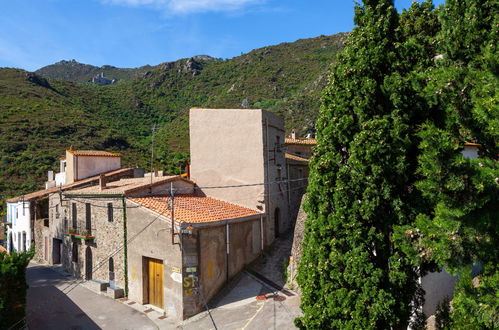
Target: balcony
pixel 80 234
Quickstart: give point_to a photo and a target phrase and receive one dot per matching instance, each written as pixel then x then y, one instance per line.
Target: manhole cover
pixel 279 298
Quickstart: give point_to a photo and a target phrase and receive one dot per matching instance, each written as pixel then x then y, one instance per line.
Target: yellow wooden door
pixel 155 282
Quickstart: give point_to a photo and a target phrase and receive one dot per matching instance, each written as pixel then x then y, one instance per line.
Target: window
pixel 57 210
pixel 73 214
pixel 88 218
pixel 110 212
pixel 278 143
pixel 74 252
pixel 46 222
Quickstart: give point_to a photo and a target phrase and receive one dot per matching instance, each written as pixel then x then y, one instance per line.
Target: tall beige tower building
pixel 237 155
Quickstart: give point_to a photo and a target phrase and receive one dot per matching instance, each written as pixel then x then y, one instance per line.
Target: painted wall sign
pixel 188 285
pixel 176 269
pixel 191 269
pixel 191 260
pixel 177 277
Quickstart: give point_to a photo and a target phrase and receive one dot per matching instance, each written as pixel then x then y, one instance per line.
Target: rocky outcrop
pixel 36 79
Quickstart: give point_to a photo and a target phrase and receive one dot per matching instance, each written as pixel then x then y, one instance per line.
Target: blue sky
pixel 131 33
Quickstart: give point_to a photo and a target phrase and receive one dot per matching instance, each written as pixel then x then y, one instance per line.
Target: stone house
pixel 298 153
pixel 30 216
pixel 123 237
pixel 177 253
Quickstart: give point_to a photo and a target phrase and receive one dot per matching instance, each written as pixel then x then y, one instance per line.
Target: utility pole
pixel 172 199
pixel 153 130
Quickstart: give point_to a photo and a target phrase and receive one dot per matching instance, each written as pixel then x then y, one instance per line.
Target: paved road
pixel 238 308
pixel 55 302
pixel 49 307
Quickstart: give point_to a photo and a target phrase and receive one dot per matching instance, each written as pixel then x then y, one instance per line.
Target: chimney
pixel 102 181
pixel 293 134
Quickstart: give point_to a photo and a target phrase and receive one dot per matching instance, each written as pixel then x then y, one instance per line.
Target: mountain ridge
pixel 40 117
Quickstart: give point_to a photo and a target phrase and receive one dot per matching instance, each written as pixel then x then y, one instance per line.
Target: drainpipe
pixel 125 247
pixel 261 233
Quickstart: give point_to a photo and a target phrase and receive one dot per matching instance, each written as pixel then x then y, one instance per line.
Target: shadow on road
pixel 48 307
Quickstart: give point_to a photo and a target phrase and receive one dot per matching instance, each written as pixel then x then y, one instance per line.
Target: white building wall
pixel 19 215
pixel 89 166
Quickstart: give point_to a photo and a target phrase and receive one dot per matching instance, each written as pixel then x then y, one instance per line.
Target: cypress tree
pixel 461 92
pixel 355 271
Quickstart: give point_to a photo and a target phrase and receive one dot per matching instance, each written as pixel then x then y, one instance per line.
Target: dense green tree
pixel 462 94
pixel 13 289
pixel 354 273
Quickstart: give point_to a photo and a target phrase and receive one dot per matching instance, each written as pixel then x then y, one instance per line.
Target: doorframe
pixel 145 281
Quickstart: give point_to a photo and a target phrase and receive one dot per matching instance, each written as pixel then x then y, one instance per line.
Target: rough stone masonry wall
pixel 108 240
pixel 296 250
pixel 41 232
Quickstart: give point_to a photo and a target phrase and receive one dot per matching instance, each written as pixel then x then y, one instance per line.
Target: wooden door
pixel 56 251
pixel 155 282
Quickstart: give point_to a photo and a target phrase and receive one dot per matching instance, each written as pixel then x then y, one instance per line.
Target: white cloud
pixel 187 6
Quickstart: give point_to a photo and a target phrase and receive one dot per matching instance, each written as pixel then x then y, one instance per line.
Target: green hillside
pixel 40 118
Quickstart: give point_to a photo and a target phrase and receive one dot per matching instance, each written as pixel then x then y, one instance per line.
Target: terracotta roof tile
pixel 296 157
pixel 195 209
pixel 300 141
pixel 95 153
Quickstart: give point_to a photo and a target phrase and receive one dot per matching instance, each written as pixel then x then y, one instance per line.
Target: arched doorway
pixel 276 222
pixel 88 263
pixel 111 272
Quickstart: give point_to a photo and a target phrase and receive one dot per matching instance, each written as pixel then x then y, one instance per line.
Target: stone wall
pixel 108 242
pixel 296 250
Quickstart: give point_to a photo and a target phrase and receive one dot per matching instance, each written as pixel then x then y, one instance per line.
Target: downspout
pixel 125 247
pixel 261 233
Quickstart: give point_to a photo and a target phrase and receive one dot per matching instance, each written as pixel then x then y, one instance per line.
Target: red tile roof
pixel 94 153
pixel 45 192
pixel 195 209
pixel 300 141
pixel 298 158
pixel 3 249
pixel 470 144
